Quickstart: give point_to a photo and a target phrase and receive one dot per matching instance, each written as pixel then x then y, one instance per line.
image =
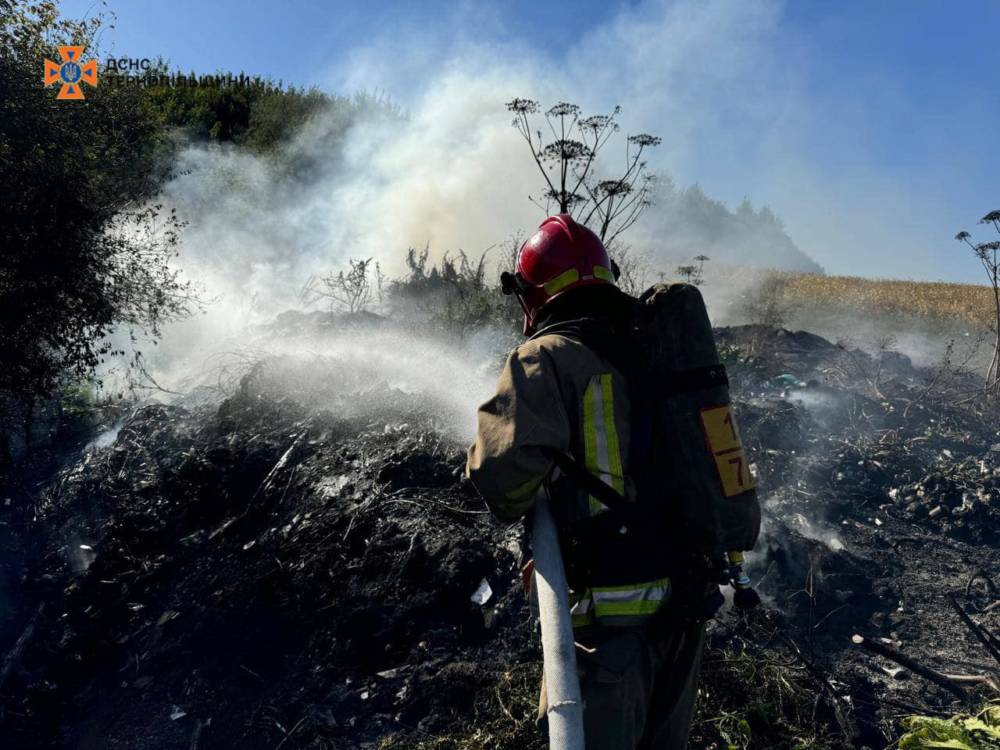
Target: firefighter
pixel 567 391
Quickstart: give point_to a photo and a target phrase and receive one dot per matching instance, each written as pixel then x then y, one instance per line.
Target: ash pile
pixel 302 566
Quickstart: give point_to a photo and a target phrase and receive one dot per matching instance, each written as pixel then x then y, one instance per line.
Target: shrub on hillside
pixel 85 248
pixel 456 295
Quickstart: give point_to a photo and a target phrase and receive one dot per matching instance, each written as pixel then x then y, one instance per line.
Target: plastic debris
pixel 482 594
pixel 897 673
pixel 787 380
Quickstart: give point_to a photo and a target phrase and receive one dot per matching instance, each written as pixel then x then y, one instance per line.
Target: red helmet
pixel 560 256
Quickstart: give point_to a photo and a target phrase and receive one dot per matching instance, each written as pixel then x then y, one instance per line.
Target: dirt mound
pixel 303 566
pixel 263 568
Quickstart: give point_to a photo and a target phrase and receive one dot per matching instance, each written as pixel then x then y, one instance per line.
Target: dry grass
pixel 504 718
pixel 966 303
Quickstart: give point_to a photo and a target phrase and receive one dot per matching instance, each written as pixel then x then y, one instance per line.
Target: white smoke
pixel 451 173
pixel 255 236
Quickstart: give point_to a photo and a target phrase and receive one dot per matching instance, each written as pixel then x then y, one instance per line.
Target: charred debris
pixel 262 573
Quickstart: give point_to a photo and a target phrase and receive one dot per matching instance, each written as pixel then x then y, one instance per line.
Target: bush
pixel 353 290
pixel 767 304
pixel 85 250
pixel 456 296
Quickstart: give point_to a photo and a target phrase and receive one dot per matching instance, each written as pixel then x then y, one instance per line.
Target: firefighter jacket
pixel 557 394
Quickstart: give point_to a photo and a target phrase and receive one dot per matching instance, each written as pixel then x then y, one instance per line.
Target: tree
pixel 767 304
pixel 986 252
pixel 258 114
pixel 608 205
pixel 86 250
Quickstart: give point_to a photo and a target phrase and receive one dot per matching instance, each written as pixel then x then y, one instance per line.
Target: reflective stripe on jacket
pixel 555 393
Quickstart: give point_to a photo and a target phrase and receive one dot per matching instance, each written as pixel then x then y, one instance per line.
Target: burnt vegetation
pixel 297 564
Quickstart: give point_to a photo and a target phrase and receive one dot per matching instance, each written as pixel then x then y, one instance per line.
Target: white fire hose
pixel 562 684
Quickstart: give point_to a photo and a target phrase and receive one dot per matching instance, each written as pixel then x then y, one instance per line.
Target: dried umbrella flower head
pixel 984 248
pixel 573 199
pixel 613 187
pixel 644 140
pixel 597 124
pixel 566 150
pixel 568 165
pixel 522 106
pixel 563 109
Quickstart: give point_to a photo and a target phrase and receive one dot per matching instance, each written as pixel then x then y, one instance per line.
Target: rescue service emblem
pixel 71 72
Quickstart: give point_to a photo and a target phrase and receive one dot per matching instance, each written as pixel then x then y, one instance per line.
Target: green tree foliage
pixel 276 114
pixel 85 248
pixel 257 113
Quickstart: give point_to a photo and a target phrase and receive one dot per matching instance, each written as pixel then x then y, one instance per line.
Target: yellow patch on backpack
pixel 723 439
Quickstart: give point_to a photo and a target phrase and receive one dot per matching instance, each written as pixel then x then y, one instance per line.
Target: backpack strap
pixel 589 482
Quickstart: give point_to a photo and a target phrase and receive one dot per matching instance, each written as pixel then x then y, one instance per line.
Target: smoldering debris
pixel 301 562
pixel 269 552
pixel 961 498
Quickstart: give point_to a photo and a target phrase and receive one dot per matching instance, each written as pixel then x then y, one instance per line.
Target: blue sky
pixel 869 127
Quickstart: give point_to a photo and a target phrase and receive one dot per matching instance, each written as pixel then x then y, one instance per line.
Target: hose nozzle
pixel 745 597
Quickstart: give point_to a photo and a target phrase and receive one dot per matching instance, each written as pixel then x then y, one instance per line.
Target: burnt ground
pixel 261 573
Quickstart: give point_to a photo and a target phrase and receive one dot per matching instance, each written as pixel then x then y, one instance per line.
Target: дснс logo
pixel 72 73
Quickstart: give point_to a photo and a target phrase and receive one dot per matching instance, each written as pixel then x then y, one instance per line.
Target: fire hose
pixel 562 684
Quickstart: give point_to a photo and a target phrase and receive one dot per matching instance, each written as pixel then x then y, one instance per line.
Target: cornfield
pixel 967 303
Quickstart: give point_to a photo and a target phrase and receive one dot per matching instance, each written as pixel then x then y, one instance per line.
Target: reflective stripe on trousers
pixel 621 605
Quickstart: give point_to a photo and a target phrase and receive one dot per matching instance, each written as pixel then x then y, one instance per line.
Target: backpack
pixel 694 486
pixel 686 445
